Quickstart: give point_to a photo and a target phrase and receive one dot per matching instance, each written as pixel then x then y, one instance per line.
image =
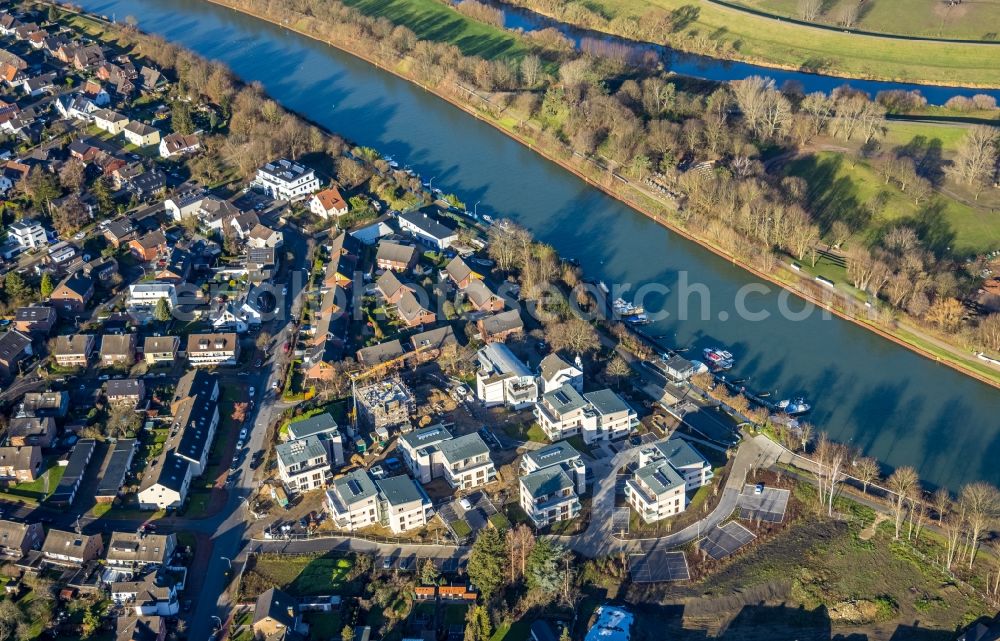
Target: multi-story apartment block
pixel 432 452
pixel 353 501
pixel 303 464
pixel 551 482
pixel 656 492
pixel 403 504
pixel 683 457
pixel 502 379
pixel 286 180
pixel 213 349
pixel 597 416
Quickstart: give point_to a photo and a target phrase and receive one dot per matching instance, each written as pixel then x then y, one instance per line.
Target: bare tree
pixel 902 482
pixel 531 68
pixel 810 9
pixel 574 335
pixel 765 110
pixel 849 14
pixel 953 526
pixel 941 500
pixel 976 157
pixel 980 502
pixel 867 470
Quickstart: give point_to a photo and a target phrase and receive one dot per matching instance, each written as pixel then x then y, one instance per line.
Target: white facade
pixel 432 452
pixel 403 504
pixel 286 180
pixel 502 379
pixel 28 234
pixel 149 294
pixel 303 464
pixel 597 416
pixel 656 492
pixel 353 501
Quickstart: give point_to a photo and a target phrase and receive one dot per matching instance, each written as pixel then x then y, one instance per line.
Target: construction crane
pixel 375 370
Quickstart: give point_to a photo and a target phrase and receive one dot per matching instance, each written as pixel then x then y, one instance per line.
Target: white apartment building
pixel 213 349
pixel 286 180
pixel 403 504
pixel 303 464
pixel 502 379
pixel 683 457
pixel 551 482
pixel 352 501
pixel 656 492
pixel 149 294
pixel 432 452
pixel 597 416
pixel 28 234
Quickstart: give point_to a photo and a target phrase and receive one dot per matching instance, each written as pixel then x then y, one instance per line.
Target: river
pixel 895 405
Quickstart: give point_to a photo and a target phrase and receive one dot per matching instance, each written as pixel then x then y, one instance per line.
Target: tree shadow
pixel 682 17
pixel 832 197
pixel 932 227
pixel 927 156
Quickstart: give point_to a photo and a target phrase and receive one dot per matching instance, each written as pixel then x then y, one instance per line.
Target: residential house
pixel 39 84
pixel 76 107
pixel 186 201
pixel 137 551
pixel 598 416
pixel 502 379
pixel 369 233
pixel 352 501
pixel 431 344
pixel 263 236
pixel 112 477
pixel 72 295
pixel 73 473
pixel 140 134
pixel 14 348
pixel 411 312
pixel 36 319
pixel 391 288
pixel 395 256
pixel 54 404
pixel 125 391
pixel 117 350
pixel 120 231
pixel 275 615
pixel 62 252
pixel 286 180
pixel 28 234
pixel 175 268
pixel 69 548
pixel 85 57
pixel 150 246
pixel 160 349
pixel 110 121
pixel 460 273
pixel 403 504
pixel 380 353
pixel 261 263
pixel 173 145
pixel 140 628
pixel 427 230
pixel 343 258
pixel 17 539
pixel 554 372
pixel 432 452
pixel 37 431
pixel 213 349
pixel 149 294
pixel 243 223
pixel 656 491
pixel 328 203
pixel 482 298
pixel 552 478
pixel 166 481
pixel 500 327
pixel 20 464
pixel 154 594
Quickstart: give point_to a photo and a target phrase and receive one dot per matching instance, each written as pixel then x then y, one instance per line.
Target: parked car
pixel 758 489
pixel 243 434
pixel 251 391
pixel 387 563
pixel 466 504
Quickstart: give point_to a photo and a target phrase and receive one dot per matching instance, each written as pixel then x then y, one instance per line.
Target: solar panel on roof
pixel 354 487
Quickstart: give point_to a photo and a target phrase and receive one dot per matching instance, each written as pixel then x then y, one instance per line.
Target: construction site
pixel 385 404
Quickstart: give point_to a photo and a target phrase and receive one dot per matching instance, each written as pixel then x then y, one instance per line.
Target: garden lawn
pixel 298 575
pixel 42 487
pixel 438 22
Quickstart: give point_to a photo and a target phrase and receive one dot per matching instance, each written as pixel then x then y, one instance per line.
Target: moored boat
pixel 795 406
pixel 718 359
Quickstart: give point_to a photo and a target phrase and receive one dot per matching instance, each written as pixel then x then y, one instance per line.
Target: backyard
pixel 299 575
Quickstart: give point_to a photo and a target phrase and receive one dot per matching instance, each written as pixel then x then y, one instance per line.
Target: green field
pixel 438 22
pixel 745 36
pixel 977 20
pixel 840 190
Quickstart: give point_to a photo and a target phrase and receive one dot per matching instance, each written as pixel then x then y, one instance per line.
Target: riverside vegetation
pixel 915 247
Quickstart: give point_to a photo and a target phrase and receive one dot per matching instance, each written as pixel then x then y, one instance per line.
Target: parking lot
pixel 620 520
pixel 476 517
pixel 725 540
pixel 769 505
pixel 656 567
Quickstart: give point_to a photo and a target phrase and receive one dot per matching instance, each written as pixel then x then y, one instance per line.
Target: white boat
pixel 795 406
pixel 624 308
pixel 488 219
pixel 637 319
pixel 604 288
pixel 718 359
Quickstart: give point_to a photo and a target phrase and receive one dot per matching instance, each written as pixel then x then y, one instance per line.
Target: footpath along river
pixel 895 405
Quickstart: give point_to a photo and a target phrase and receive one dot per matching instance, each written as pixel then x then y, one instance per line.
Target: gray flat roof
pixel 114 472
pixel 426 436
pixel 399 490
pixel 554 454
pixel 546 482
pixel 607 402
pixel 354 487
pixel 313 425
pixel 463 447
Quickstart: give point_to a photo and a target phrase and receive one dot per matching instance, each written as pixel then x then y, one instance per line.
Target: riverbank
pixel 714 30
pixel 910 337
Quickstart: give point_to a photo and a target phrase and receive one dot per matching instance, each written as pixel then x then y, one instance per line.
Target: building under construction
pixel 387 404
